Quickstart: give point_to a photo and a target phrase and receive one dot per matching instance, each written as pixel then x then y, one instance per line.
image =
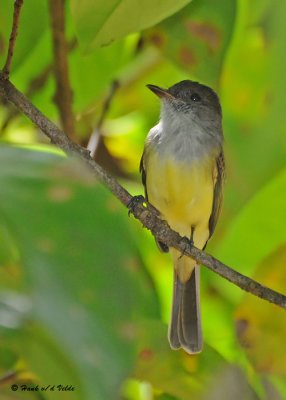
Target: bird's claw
pixel 134 202
pixel 186 242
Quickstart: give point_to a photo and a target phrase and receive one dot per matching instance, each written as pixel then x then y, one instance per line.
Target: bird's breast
pixel 180 190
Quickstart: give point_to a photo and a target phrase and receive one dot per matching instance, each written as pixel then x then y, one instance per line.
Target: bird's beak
pixel 162 93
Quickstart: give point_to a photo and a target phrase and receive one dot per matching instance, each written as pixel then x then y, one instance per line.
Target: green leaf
pixel 104 62
pixel 31 28
pixel 253 88
pixel 197 38
pixel 101 22
pixel 177 374
pixel 258 229
pixel 83 275
pixel 48 360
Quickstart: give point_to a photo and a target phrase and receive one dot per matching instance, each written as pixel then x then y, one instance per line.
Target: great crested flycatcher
pixel 182 170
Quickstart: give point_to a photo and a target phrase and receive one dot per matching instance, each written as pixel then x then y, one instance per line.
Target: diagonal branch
pixel 17 9
pixel 141 210
pixel 63 96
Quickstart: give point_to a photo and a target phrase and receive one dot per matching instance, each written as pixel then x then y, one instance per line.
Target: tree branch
pixel 141 210
pixel 17 9
pixel 94 137
pixel 63 96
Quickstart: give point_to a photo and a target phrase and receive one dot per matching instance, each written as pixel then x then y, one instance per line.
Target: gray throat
pixel 184 138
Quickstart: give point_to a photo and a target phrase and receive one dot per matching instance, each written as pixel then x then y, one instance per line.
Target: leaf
pixel 83 275
pixel 257 230
pixel 51 364
pixel 30 32
pixel 254 101
pixel 103 62
pixel 101 22
pixel 261 326
pixel 197 38
pixel 182 376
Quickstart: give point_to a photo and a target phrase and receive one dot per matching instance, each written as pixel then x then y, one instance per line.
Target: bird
pixel 182 169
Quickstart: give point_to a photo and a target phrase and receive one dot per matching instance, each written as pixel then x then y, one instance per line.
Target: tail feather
pixel 173 327
pixel 185 327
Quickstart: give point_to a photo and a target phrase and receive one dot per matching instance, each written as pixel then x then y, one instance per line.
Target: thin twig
pixel 34 85
pixel 63 96
pixel 106 105
pixel 17 9
pixel 94 137
pixel 144 212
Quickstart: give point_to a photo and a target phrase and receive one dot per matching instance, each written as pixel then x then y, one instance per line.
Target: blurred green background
pixel 84 293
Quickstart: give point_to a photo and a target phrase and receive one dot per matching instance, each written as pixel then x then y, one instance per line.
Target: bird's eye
pixel 195 97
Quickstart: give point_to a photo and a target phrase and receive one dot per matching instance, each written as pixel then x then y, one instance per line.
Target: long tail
pixel 185 328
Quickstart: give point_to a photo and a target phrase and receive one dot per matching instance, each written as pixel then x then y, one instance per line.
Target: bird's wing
pixel 143 175
pixel 218 176
pixel 162 246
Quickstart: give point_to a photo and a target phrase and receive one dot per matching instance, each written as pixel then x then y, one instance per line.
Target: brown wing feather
pixel 143 175
pixel 218 192
pixel 162 246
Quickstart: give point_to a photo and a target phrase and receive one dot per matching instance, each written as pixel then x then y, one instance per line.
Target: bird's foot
pixel 134 202
pixel 186 242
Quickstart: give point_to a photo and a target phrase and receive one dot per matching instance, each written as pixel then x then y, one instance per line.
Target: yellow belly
pixel 183 193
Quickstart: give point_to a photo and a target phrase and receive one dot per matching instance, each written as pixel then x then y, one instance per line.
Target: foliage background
pixel 85 295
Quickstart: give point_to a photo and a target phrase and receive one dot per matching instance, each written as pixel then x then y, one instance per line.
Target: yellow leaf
pixel 261 326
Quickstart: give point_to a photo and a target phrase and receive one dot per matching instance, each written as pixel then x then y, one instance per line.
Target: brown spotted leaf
pixel 197 37
pixel 261 326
